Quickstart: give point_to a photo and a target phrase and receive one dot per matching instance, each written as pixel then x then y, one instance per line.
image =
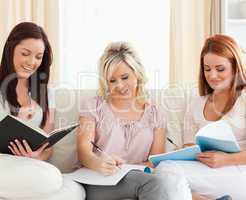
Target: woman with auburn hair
pixel 222 82
pixel 123 124
pixel 24 76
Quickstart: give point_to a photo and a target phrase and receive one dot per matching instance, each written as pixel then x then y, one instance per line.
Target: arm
pixel 158 145
pixel 85 149
pixel 190 127
pixel 21 148
pixel 220 159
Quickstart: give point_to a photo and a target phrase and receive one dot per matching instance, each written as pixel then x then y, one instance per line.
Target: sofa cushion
pixel 23 178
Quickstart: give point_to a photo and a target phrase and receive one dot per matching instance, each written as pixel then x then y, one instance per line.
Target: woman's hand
pixel 23 149
pixel 109 165
pixel 213 159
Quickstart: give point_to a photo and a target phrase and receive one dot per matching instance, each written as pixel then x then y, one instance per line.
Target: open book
pixel 216 136
pixel 91 177
pixel 12 128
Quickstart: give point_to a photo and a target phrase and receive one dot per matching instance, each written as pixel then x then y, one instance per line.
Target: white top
pixel 236 117
pixel 38 112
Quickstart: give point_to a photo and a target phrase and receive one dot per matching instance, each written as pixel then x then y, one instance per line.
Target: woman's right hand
pixel 109 165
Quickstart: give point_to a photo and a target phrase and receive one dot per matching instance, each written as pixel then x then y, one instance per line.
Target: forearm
pixel 236 158
pixel 46 154
pixel 89 160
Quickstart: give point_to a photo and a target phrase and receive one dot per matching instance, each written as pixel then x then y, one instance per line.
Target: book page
pixel 64 128
pixel 220 130
pixel 91 177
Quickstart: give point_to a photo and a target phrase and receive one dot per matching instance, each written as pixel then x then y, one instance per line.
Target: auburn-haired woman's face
pixel 28 55
pixel 218 71
pixel 122 82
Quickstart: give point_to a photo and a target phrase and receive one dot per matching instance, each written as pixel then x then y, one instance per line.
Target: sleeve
pixel 158 117
pixel 4 109
pixel 89 108
pixel 190 126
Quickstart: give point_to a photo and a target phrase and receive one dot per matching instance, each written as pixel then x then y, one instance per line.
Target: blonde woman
pixel 124 125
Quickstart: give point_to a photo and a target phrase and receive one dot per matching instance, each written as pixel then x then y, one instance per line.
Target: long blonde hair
pixel 113 54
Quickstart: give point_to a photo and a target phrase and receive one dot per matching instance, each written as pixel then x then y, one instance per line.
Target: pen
pixel 101 151
pixel 172 142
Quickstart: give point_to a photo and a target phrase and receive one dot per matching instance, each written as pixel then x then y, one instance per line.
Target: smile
pixel 27 68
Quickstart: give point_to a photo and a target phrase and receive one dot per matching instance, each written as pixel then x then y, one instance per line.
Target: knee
pixel 28 178
pixel 157 180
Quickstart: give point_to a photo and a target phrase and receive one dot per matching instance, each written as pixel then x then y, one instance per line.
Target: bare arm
pixel 85 149
pixel 158 145
pixel 215 159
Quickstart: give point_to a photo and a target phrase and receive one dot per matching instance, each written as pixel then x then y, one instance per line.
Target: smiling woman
pixel 24 75
pixel 28 57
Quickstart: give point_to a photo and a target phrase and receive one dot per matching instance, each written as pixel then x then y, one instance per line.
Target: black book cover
pixel 11 128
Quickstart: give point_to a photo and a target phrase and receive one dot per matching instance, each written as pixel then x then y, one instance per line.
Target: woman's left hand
pixel 213 159
pixel 23 149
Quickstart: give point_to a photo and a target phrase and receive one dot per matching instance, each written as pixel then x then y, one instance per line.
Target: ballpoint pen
pixel 102 152
pixel 172 142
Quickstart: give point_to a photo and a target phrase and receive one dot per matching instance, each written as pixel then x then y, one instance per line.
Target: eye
pixel 112 81
pixel 39 57
pixel 206 68
pixel 220 68
pixel 124 77
pixel 24 54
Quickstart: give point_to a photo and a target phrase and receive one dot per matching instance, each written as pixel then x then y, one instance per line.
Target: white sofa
pixel 173 101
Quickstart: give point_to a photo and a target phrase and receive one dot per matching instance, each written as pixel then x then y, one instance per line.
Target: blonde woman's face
pixel 122 82
pixel 218 71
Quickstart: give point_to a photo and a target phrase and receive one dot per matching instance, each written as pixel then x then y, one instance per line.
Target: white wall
pixel 89 25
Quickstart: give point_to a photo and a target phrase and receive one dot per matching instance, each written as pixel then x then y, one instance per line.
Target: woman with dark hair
pixel 24 75
pixel 222 92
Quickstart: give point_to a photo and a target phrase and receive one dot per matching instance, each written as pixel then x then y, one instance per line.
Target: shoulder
pixel 241 100
pixel 92 102
pixel 92 107
pixel 156 115
pixel 3 105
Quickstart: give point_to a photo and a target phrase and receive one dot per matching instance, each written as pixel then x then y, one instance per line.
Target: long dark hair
pixel 38 81
pixel 225 46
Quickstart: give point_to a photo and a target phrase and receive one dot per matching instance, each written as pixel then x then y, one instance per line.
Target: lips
pixel 124 92
pixel 27 69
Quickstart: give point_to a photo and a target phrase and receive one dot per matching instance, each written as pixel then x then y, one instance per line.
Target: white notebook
pixel 91 177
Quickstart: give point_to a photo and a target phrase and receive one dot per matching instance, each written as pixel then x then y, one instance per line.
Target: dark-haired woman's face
pixel 218 71
pixel 28 55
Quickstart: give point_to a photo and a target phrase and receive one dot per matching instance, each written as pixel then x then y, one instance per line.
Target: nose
pixel 31 61
pixel 213 74
pixel 119 85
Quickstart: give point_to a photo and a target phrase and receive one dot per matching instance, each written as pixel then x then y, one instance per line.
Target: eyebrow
pixel 31 51
pixel 126 74
pixel 215 65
